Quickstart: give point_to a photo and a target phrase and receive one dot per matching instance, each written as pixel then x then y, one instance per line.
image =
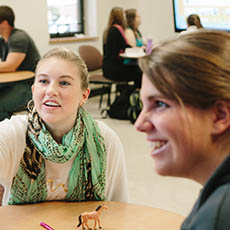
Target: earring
pixel 82 103
pixel 30 105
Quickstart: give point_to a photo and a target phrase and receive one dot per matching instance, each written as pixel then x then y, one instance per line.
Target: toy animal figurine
pixel 85 216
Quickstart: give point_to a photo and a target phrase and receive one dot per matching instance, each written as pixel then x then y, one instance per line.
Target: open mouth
pixel 51 104
pixel 156 145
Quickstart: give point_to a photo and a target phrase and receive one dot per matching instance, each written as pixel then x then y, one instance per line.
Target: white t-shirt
pixel 12 145
pixel 190 29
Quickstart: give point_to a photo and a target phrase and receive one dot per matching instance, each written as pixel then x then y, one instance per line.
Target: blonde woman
pixel 58 151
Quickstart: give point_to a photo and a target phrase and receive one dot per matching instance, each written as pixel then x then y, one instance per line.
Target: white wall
pixel 157 18
pixel 31 15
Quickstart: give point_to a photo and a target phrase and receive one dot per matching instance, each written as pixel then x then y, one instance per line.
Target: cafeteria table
pixel 62 215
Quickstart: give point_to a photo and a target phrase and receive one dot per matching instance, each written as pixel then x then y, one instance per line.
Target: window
pixel 65 18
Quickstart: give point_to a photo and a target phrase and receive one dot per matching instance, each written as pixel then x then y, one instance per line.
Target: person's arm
pixel 116 176
pixel 12 62
pixel 12 145
pixel 130 36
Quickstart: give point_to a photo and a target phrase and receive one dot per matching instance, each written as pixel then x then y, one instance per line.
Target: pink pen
pixel 46 226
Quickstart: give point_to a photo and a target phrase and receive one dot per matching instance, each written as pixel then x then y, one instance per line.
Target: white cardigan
pixel 189 29
pixel 12 145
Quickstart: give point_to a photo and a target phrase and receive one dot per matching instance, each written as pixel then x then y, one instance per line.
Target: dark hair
pixel 6 13
pixel 70 56
pixel 116 17
pixel 193 69
pixel 194 19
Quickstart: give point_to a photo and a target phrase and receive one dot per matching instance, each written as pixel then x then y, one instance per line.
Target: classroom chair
pixel 93 59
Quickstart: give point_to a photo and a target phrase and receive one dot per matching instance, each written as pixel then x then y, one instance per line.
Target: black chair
pixel 93 59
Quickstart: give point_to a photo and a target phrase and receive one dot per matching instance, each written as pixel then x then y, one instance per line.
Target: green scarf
pixel 84 143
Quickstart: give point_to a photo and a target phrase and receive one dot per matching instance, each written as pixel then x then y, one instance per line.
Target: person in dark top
pixel 17 52
pixel 186 117
pixel 115 43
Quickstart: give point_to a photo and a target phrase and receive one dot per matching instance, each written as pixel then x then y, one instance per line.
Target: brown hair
pixel 194 68
pixel 6 13
pixel 194 19
pixel 70 56
pixel 130 18
pixel 116 17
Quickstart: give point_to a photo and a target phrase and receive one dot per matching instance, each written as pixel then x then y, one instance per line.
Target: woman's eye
pixel 161 104
pixel 64 83
pixel 43 81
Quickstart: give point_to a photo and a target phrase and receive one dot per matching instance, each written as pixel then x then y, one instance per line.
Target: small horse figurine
pixel 85 216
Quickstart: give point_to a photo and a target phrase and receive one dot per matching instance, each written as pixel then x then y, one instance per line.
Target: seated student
pixel 115 43
pixel 193 24
pixel 186 117
pixel 17 52
pixel 132 32
pixel 58 151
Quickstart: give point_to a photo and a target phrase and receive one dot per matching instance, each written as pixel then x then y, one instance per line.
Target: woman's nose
pixel 143 124
pixel 52 89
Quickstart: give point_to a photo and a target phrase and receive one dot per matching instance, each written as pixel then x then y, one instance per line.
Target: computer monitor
pixel 214 14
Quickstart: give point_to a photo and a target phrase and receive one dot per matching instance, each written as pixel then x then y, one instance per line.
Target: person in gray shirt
pixel 17 52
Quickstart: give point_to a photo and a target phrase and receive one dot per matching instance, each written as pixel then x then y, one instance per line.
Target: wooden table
pixel 64 216
pixel 16 76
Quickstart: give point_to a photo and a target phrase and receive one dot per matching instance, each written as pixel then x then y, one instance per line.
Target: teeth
pixel 50 103
pixel 157 144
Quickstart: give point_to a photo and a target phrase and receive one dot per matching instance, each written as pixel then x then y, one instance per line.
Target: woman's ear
pixel 221 121
pixel 85 96
pixel 32 88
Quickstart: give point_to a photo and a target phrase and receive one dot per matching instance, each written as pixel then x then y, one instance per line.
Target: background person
pixel 17 49
pixel 186 117
pixel 58 151
pixel 17 52
pixel 132 33
pixel 193 24
pixel 115 43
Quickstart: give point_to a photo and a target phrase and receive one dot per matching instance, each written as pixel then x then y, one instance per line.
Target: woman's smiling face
pixel 57 92
pixel 178 136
